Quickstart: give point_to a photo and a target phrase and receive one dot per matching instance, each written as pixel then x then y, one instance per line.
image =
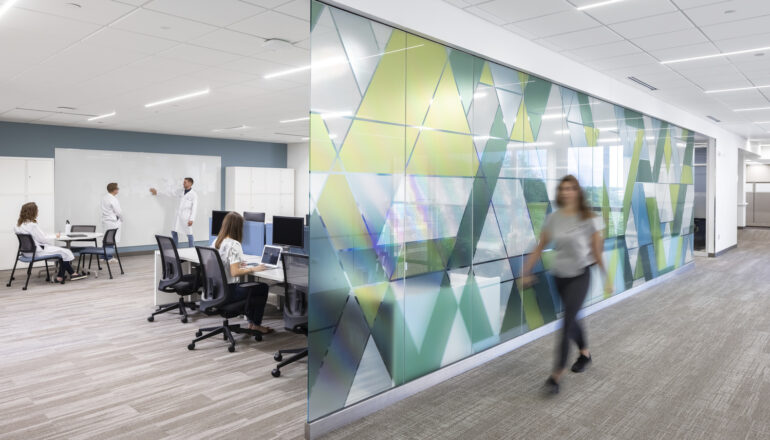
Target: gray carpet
pixel 687 359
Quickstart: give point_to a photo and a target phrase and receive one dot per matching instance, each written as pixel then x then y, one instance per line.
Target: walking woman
pixel 27 224
pixel 576 234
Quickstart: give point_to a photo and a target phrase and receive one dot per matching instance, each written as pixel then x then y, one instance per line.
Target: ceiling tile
pixel 657 24
pixel 638 59
pixel 274 25
pixel 601 51
pixel 743 28
pixel 554 24
pixel 715 13
pixel 292 56
pixel 90 11
pixel 296 8
pixel 231 42
pixel 684 37
pixel 492 18
pixel 588 37
pixel 630 10
pixel 743 43
pixel 160 25
pixel 267 3
pixel 511 11
pixel 116 39
pixel 199 55
pixel 218 13
pixel 675 53
pixel 33 22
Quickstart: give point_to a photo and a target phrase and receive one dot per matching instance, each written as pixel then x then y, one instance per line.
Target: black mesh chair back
pixel 172 266
pixel 254 216
pixel 109 237
pixel 26 244
pixel 215 289
pixel 295 272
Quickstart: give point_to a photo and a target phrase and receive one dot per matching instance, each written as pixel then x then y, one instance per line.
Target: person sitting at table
pixel 228 243
pixel 27 224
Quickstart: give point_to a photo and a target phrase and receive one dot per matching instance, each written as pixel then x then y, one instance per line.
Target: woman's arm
pixel 237 270
pixel 597 246
pixel 38 235
pixel 535 255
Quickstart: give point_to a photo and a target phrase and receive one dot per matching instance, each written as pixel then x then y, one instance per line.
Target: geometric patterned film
pixel 431 173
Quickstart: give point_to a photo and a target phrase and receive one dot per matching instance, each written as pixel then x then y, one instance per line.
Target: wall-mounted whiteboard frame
pixel 256 189
pixel 82 177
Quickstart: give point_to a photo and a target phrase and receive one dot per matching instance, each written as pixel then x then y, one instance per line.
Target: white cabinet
pixel 268 190
pixel 23 180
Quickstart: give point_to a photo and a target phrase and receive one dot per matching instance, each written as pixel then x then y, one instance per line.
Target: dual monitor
pixel 287 231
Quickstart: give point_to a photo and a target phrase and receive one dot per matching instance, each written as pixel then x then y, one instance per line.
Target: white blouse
pixel 231 252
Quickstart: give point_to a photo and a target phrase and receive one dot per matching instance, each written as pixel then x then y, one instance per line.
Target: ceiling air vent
pixel 641 83
pixel 713 118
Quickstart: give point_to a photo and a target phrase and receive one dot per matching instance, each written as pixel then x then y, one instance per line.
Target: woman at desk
pixel 27 224
pixel 228 242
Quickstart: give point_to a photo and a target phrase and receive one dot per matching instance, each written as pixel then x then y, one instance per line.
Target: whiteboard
pixel 82 177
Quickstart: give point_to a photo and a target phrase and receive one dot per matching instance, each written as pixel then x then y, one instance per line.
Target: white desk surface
pixel 84 236
pixel 189 254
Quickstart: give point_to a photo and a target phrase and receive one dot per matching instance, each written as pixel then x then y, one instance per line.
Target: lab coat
pixel 112 216
pixel 45 247
pixel 188 209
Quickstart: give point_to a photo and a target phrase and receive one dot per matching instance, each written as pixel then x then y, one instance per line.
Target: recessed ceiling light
pixel 598 4
pixel 6 6
pixel 729 11
pixel 713 118
pixel 737 89
pixel 285 121
pixel 178 98
pixel 716 55
pixel 751 109
pixel 95 118
pixel 237 127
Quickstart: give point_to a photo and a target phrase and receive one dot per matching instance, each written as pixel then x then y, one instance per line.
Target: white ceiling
pixel 107 56
pixel 632 37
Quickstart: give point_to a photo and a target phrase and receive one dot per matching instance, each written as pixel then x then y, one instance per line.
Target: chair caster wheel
pixel 258 338
pixel 276 373
pixel 198 334
pixel 231 349
pixel 191 347
pixel 150 319
pixel 278 357
pixel 184 320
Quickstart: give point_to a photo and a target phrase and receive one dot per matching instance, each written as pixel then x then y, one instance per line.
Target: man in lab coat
pixel 112 216
pixel 185 216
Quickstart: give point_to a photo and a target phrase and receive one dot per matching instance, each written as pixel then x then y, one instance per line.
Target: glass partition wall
pixel 431 174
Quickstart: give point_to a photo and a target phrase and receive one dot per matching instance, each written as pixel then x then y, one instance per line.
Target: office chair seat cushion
pixel 229 310
pixel 186 285
pixel 28 259
pixel 96 251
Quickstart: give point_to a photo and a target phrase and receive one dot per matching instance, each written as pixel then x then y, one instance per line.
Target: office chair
pixel 75 246
pixel 173 280
pixel 254 216
pixel 27 253
pixel 295 272
pixel 216 300
pixel 109 247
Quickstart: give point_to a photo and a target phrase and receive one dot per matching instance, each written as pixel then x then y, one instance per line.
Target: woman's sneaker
pixel 581 364
pixel 551 386
pixel 78 276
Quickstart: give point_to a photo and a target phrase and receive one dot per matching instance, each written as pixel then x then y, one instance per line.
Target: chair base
pixel 299 353
pixel 226 330
pixel 180 306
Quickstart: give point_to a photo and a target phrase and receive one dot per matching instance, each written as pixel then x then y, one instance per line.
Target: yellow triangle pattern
pixel 369 298
pixel 322 152
pixel 438 153
pixel 667 150
pixel 385 98
pixel 446 112
pixel 426 61
pixel 523 80
pixel 486 75
pixel 339 211
pixel 592 136
pixel 522 129
pixel 371 147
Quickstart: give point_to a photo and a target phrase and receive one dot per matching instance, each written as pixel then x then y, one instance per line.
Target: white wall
pixel 298 158
pixel 493 42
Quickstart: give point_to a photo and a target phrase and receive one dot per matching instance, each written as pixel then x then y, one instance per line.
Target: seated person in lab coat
pixel 188 209
pixel 112 216
pixel 27 224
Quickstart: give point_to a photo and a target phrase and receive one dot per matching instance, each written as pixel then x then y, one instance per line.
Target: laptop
pixel 271 255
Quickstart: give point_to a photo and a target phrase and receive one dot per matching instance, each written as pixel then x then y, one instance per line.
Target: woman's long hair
pixel 28 213
pixel 232 227
pixel 583 208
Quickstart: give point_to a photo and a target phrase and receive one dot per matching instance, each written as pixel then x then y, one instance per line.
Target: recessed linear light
pixel 178 98
pixel 737 89
pixel 716 55
pixel 6 6
pixel 237 127
pixel 286 121
pixel 598 4
pixel 95 118
pixel 713 118
pixel 751 109
pixel 642 83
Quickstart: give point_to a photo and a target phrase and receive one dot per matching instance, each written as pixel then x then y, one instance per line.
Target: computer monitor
pixel 216 221
pixel 289 231
pixel 254 216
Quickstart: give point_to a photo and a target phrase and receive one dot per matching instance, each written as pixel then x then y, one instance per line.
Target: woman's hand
pixel 527 281
pixel 608 287
pixel 259 268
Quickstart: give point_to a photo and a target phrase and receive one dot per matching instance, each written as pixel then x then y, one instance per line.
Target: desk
pixel 190 256
pixel 82 236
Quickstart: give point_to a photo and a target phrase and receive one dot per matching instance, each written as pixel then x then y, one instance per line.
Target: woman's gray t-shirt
pixel 571 237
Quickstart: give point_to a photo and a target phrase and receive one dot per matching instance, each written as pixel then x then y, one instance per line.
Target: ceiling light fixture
pixel 716 55
pixel 237 127
pixel 178 98
pixel 642 83
pixel 751 109
pixel 6 6
pixel 763 122
pixel 713 118
pixel 596 5
pixel 95 118
pixel 286 121
pixel 737 89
